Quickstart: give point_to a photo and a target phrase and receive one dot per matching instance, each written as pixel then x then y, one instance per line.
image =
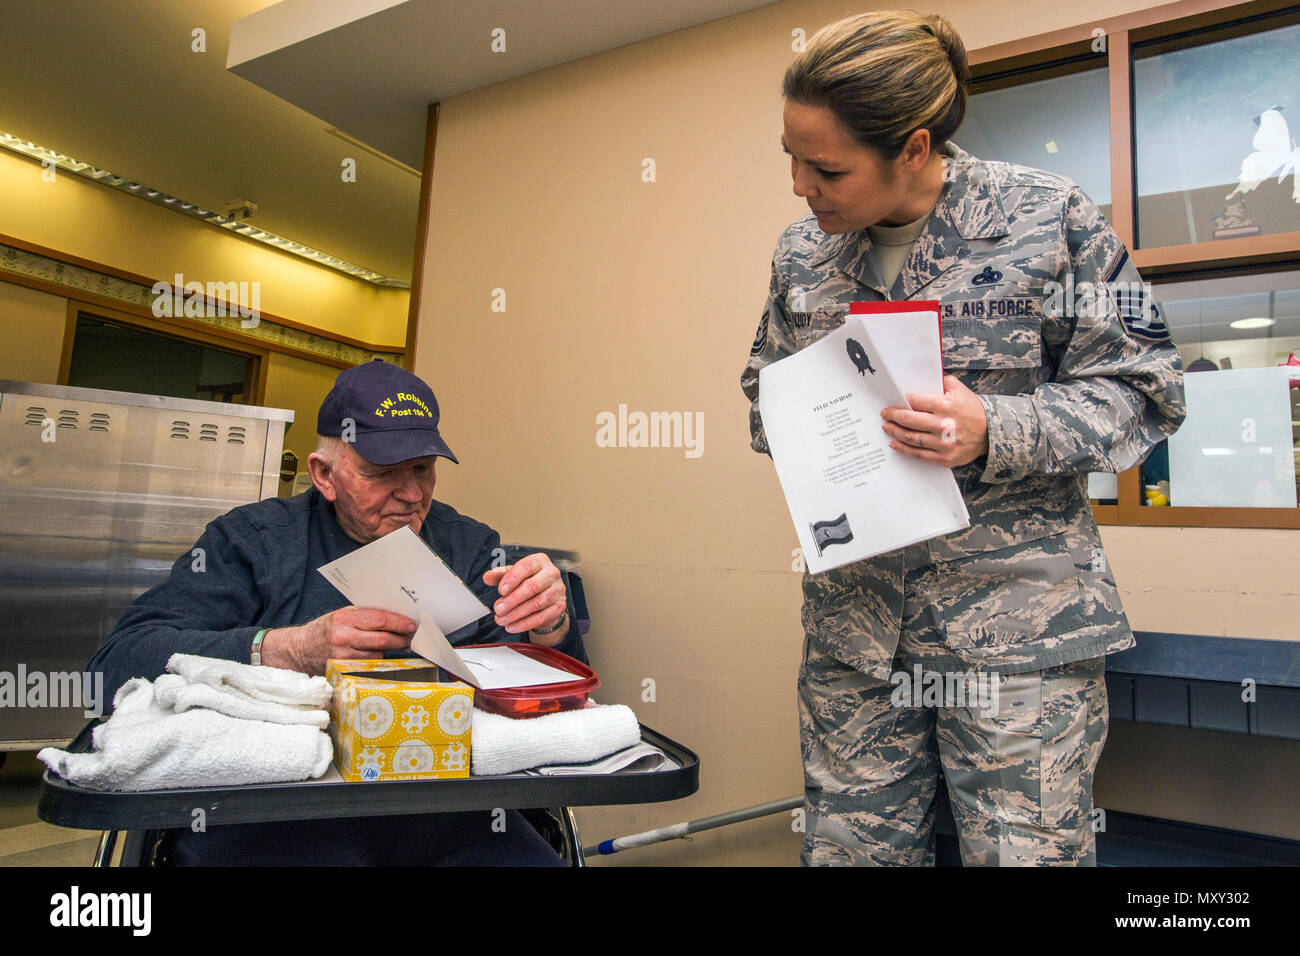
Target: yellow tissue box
pixel 390 725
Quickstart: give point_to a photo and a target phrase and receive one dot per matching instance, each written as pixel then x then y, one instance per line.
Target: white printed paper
pixel 851 496
pixel 494 667
pixel 400 573
pixel 487 668
pixel 909 345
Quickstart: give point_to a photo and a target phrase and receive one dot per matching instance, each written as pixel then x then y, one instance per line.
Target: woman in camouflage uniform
pixel 1056 365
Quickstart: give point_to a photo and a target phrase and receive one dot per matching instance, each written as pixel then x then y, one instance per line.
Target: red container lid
pixel 540 698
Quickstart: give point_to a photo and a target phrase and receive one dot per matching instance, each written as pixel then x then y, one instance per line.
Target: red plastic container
pixel 522 702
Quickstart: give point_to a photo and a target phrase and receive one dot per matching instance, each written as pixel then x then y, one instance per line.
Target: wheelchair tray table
pixel 67 805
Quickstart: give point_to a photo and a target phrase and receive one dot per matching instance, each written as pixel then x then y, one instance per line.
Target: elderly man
pixel 249 591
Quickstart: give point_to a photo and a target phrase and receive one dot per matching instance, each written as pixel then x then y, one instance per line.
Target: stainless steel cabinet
pixel 99 493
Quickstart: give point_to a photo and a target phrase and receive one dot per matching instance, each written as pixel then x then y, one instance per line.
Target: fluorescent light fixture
pixel 1259 323
pixel 47 156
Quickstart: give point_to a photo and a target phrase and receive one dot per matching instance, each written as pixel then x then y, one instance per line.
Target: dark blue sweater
pixel 255 567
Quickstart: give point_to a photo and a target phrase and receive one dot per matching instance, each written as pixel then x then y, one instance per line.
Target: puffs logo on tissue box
pixel 393 720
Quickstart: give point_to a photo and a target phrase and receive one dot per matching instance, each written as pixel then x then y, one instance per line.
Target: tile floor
pixel 25 840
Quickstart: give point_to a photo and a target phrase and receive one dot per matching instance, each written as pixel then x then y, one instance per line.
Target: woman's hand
pixel 949 429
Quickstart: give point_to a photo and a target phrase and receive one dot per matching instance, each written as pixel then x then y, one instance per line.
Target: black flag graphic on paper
pixel 827 533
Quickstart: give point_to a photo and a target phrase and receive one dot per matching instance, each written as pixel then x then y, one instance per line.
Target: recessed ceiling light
pixel 1050 146
pixel 1260 323
pixel 49 157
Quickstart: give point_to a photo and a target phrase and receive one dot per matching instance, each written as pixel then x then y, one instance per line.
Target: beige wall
pixel 1227 583
pixel 620 291
pixel 299 385
pixel 1222 581
pixel 31 327
pixel 81 218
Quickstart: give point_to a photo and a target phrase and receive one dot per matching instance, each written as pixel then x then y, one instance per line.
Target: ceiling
pixel 115 83
pixel 371 67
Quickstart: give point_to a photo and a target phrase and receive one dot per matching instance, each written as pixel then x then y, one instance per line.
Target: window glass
pixel 1215 130
pixel 1060 124
pixel 127 359
pixel 1240 343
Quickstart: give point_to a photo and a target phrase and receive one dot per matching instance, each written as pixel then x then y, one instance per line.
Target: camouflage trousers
pixel 1019 776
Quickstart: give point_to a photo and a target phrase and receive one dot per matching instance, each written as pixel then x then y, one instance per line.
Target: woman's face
pixel 848 186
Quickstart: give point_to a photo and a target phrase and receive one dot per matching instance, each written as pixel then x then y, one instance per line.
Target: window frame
pixel 168 329
pixel 1058 52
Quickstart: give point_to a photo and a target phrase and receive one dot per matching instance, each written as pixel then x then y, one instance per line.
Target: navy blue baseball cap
pixel 393 413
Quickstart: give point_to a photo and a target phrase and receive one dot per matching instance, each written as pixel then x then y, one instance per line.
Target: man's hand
pixel 949 429
pixel 349 632
pixel 532 595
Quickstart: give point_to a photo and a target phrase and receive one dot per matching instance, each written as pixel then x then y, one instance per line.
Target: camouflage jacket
pixel 1044 316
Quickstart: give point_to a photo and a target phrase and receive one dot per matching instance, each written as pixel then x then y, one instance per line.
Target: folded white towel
pixel 504 744
pixel 256 683
pixel 145 746
pixel 174 692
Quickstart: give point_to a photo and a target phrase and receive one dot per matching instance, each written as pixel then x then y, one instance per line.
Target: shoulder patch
pixel 1141 317
pixel 1137 308
pixel 760 337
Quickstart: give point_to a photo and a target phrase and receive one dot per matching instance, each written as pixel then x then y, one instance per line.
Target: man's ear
pixel 322 476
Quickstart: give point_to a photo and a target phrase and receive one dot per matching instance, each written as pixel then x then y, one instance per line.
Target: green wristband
pixel 255 658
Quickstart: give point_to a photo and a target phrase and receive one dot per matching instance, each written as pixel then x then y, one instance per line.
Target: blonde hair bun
pixel 885 74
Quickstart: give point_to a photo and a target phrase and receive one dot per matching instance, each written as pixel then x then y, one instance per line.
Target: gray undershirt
pixel 893 244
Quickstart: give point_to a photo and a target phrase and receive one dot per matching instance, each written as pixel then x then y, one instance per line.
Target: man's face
pixel 374 500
